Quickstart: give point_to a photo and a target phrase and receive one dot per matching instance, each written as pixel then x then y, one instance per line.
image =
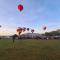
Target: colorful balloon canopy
pixel 19 29
pixel 20 7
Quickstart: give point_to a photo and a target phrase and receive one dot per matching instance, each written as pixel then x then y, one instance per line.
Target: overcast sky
pixel 36 14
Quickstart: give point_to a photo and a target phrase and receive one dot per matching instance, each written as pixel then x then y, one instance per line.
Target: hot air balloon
pixel 32 30
pixel 20 7
pixel 19 30
pixel 27 29
pixel 24 29
pixel 44 28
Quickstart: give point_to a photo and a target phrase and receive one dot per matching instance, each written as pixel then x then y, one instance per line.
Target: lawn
pixel 29 49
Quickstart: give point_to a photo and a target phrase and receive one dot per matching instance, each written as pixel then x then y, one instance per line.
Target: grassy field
pixel 30 49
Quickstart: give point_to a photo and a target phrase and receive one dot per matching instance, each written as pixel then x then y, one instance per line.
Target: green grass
pixel 30 49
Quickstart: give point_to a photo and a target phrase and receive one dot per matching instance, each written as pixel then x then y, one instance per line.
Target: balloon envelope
pixel 27 29
pixel 20 7
pixel 24 29
pixel 19 30
pixel 44 28
pixel 32 30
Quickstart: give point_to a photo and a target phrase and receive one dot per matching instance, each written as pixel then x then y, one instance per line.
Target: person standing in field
pixel 14 37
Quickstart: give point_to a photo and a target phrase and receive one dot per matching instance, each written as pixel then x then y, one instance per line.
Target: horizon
pixel 28 32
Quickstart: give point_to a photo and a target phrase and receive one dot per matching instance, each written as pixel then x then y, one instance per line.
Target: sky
pixel 35 15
